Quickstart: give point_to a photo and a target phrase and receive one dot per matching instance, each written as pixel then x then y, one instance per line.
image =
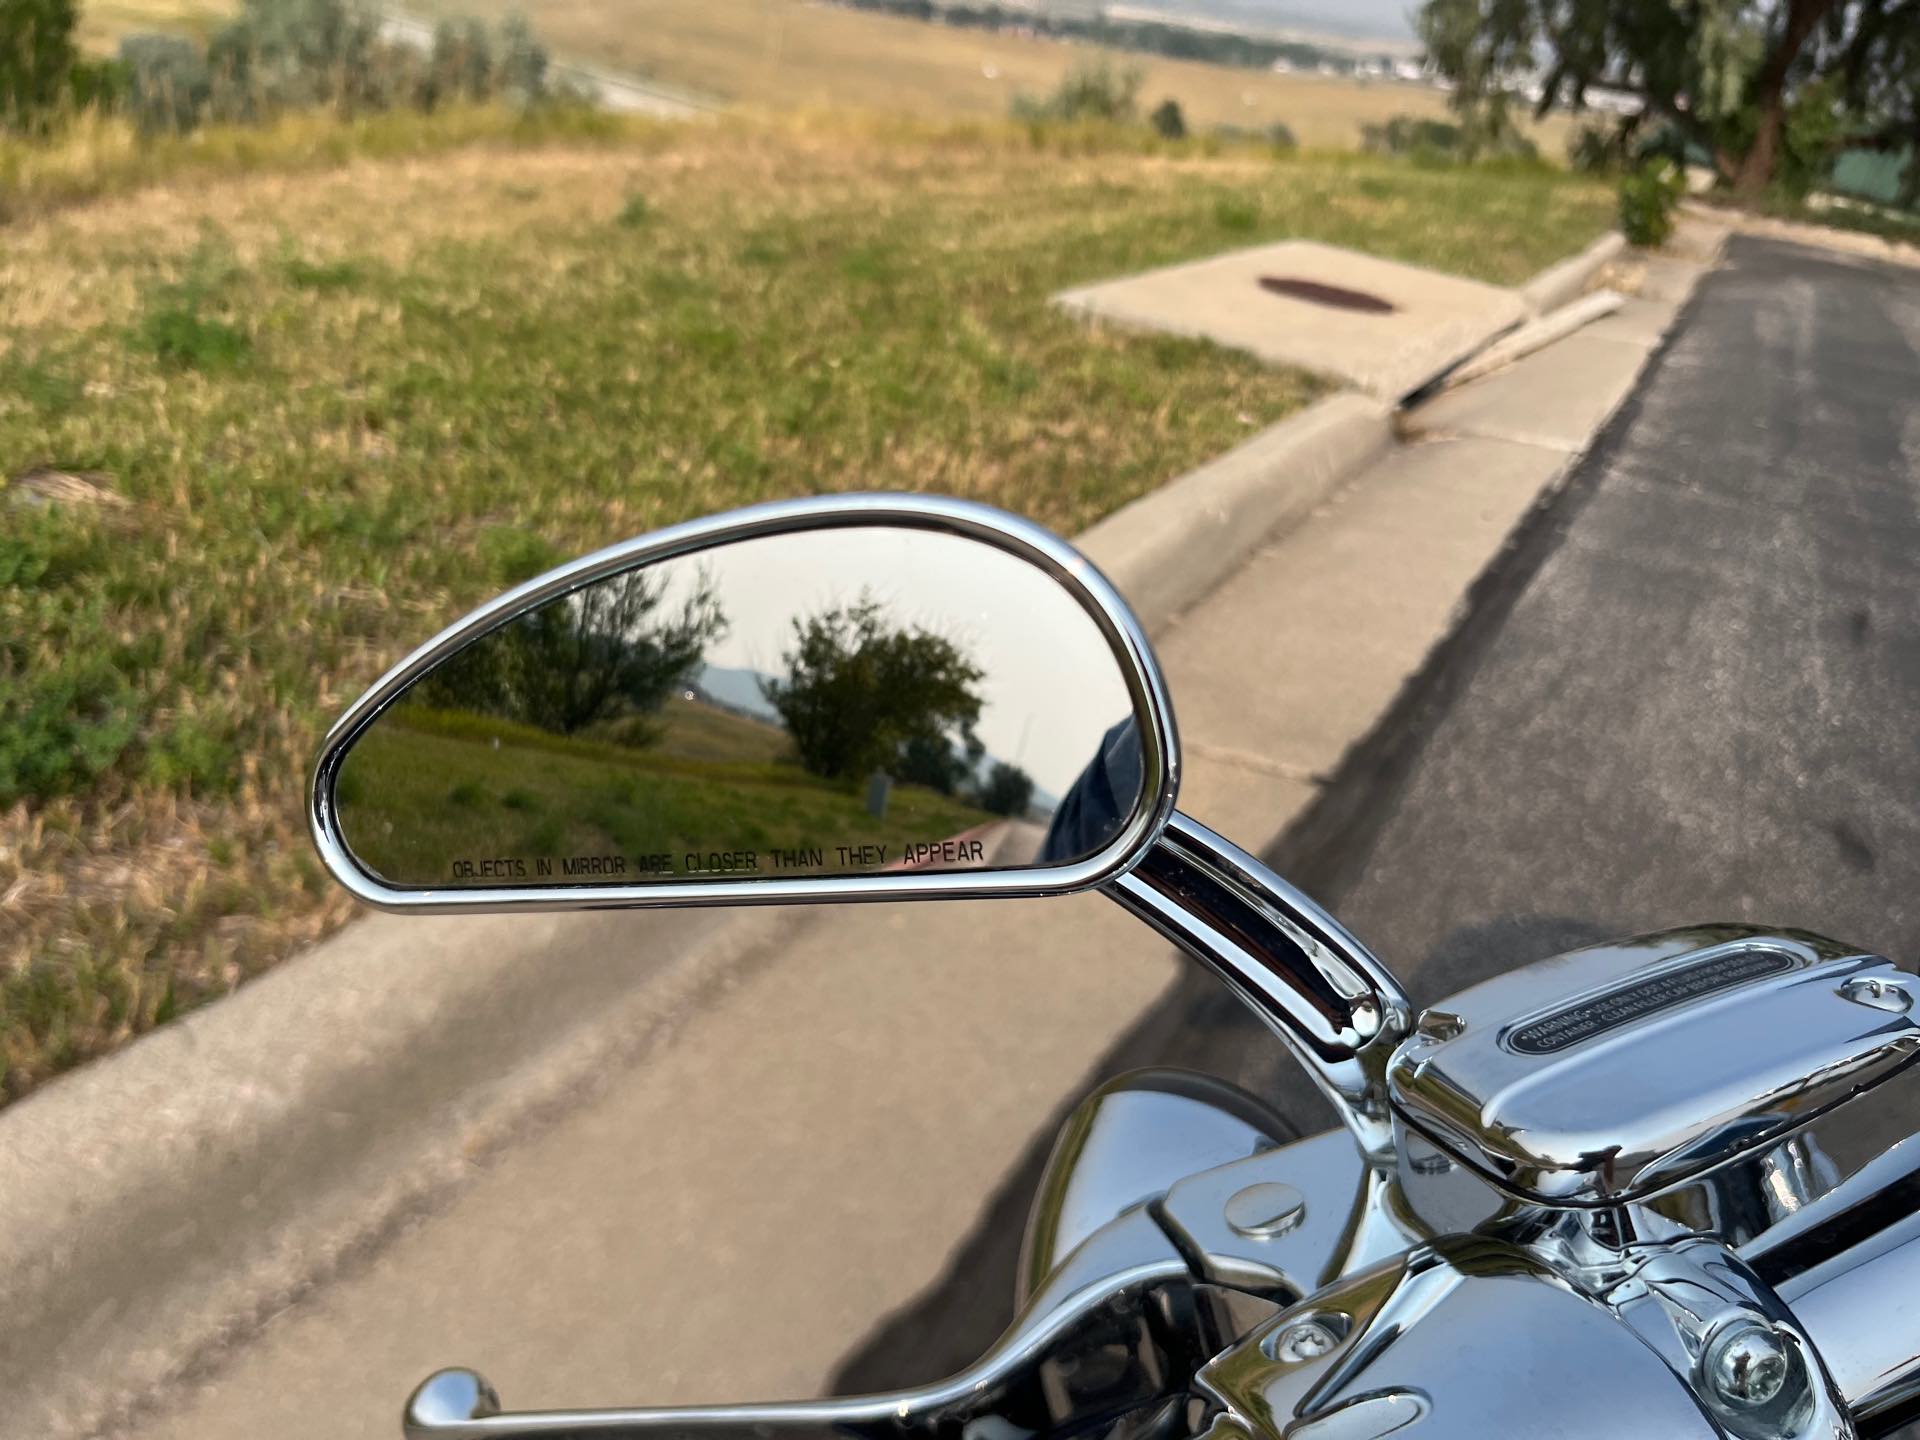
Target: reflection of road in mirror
pixel 826 703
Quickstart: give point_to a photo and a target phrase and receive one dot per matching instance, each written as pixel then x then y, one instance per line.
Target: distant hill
pixel 1384 22
pixel 734 688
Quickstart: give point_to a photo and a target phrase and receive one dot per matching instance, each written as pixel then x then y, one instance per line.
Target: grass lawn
pixel 420 791
pixel 292 422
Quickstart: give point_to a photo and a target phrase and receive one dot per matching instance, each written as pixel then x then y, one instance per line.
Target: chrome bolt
pixel 1865 990
pixel 1747 1364
pixel 1304 1340
pixel 1439 1025
pixel 1263 1211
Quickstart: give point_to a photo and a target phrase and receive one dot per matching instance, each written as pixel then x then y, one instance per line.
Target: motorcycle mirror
pixel 868 697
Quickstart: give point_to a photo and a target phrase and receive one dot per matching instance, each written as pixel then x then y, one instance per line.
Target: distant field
pixel 786 54
pixel 103 22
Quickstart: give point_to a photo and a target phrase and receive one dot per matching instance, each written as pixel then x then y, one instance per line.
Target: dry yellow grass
pixel 103 22
pixel 792 54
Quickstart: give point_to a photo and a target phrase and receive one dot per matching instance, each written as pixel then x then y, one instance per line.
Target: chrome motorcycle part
pixel 1337 1008
pixel 1129 1142
pixel 1848 1266
pixel 1346 1216
pixel 1611 1074
pixel 1462 1339
pixel 520 672
pixel 1118 1327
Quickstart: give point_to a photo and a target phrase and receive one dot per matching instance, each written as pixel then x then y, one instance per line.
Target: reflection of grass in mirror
pixel 424 788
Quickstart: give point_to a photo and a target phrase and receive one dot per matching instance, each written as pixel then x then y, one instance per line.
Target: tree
pixel 1727 75
pixel 860 691
pixel 36 60
pixel 1007 790
pixel 1168 121
pixel 599 652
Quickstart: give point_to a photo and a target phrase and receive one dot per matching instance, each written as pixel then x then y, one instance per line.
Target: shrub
pixel 1648 196
pixel 1281 137
pixel 36 61
pixel 168 83
pixel 282 55
pixel 1440 142
pixel 1412 135
pixel 523 61
pixel 1168 121
pixel 461 64
pixel 1090 90
pixel 63 726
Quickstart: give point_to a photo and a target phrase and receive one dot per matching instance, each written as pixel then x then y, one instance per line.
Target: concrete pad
pixel 1557 398
pixel 1350 607
pixel 1436 321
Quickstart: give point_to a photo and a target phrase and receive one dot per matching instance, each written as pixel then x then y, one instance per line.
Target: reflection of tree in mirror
pixel 1007 790
pixel 936 762
pixel 603 653
pixel 859 692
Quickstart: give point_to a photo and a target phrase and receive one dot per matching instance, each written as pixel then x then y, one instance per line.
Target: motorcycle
pixel 1590 1197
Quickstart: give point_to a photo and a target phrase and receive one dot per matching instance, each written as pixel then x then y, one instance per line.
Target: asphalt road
pixel 1688 694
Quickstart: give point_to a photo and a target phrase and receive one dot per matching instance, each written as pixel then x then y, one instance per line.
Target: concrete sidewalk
pixel 760 1177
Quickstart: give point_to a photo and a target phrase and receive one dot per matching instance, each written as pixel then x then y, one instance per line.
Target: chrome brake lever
pixel 1125 1296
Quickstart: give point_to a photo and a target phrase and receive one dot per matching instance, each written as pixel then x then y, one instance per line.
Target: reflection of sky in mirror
pixel 1052 684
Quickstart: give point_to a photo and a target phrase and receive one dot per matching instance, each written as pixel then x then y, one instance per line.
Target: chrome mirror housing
pixel 845 698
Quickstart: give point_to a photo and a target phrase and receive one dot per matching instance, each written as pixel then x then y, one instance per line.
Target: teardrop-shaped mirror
pixel 880 696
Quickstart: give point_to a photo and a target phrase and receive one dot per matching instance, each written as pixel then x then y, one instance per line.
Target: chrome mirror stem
pixel 1337 1008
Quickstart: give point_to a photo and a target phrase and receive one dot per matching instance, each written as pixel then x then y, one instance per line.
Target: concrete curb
pixel 1557 284
pixel 314 1112
pixel 1168 549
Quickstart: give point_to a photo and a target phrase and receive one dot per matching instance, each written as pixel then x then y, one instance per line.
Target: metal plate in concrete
pixel 1421 322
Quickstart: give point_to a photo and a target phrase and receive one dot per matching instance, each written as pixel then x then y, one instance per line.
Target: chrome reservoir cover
pixel 1608 1074
pixel 1465 1339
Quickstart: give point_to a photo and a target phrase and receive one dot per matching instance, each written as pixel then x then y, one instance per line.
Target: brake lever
pixel 1126 1295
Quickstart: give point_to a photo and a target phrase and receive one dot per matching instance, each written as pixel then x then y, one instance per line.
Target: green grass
pixel 419 793
pixel 332 408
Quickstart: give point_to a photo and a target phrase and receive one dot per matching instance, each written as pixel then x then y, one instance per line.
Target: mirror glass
pixel 829 702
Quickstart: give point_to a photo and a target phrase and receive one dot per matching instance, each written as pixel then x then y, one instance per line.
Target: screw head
pixel 1262 1211
pixel 1747 1364
pixel 1304 1340
pixel 1439 1025
pixel 1866 990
